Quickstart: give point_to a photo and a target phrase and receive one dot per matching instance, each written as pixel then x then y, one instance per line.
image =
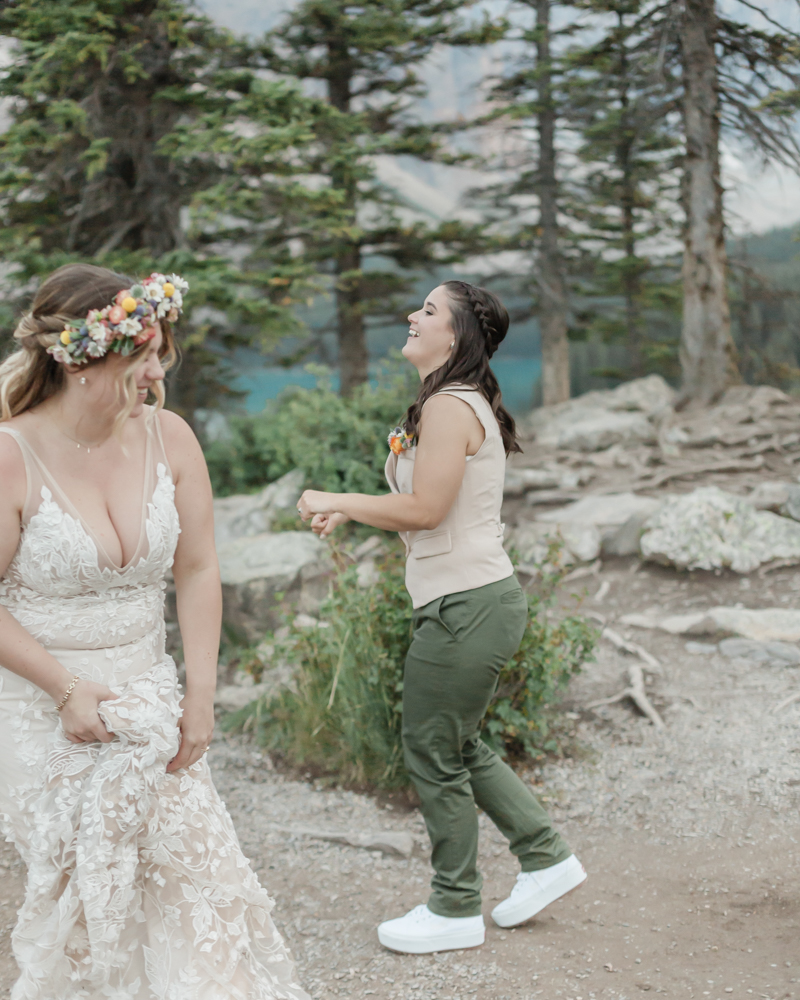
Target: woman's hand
pixel 316 502
pixel 324 524
pixel 197 728
pixel 79 715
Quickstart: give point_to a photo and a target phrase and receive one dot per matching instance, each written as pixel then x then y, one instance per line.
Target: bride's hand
pixel 79 715
pixel 197 728
pixel 324 524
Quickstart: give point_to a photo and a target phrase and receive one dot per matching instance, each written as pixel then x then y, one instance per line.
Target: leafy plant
pixel 344 714
pixel 339 442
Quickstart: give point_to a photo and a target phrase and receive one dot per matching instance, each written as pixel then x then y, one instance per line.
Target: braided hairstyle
pixel 30 375
pixel 480 322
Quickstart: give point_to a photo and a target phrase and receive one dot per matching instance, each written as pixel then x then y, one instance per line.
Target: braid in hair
pixel 480 322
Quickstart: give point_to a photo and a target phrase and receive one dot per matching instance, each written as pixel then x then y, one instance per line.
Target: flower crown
pixel 124 325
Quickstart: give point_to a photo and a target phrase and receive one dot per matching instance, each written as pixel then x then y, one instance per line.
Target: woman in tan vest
pixel 446 469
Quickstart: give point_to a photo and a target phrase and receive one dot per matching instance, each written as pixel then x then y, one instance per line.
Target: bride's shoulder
pixel 179 439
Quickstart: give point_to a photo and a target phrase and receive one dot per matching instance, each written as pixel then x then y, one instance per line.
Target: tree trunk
pixel 631 277
pixel 550 275
pixel 351 334
pixel 707 352
pixel 350 328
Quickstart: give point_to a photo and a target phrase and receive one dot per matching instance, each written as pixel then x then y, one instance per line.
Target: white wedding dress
pixel 137 887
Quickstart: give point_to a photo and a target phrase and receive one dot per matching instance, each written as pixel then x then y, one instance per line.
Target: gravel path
pixel 690 837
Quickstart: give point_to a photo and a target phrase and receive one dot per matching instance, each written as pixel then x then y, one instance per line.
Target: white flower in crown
pixel 97 331
pixel 61 354
pixel 129 327
pixel 95 349
pixel 154 290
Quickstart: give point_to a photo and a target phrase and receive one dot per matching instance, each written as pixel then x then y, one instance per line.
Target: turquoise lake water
pixel 517 377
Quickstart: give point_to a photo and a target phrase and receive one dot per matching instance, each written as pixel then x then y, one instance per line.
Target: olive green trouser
pixel 460 644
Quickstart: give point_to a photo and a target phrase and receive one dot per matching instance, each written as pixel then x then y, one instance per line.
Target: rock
pixel 232 697
pixel 533 541
pixel 248 514
pixel 769 496
pixel 760 652
pixel 518 481
pixel 782 498
pixel 618 517
pixel 710 529
pixel 763 624
pixel 769 625
pixel 700 648
pixel 254 570
pixel 597 420
pixel 591 429
pixel 696 623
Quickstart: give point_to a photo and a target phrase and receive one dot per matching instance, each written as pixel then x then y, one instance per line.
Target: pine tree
pixel 528 210
pixel 624 116
pixel 368 59
pixel 741 80
pixel 103 94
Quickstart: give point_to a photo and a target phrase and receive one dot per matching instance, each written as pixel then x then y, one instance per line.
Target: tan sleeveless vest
pixel 466 550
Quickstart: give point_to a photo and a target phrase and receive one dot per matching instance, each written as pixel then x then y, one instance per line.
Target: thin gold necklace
pixel 78 443
pixel 88 447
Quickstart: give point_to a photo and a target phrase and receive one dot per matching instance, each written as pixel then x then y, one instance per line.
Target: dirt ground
pixel 690 836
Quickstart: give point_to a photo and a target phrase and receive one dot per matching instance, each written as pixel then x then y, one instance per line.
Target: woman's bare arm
pixel 197 586
pixel 449 431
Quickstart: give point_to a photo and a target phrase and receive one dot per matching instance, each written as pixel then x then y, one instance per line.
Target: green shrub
pixel 343 717
pixel 339 443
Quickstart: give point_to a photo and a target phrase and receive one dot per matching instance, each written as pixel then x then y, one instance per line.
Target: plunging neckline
pixel 75 513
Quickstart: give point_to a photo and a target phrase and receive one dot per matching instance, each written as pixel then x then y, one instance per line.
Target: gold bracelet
pixel 67 693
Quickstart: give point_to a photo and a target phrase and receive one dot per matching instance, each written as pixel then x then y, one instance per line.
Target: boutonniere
pixel 401 440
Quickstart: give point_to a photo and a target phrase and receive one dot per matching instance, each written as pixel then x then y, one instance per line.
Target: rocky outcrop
pixel 710 529
pixel 757 624
pixel 617 518
pixel 596 420
pixel 248 514
pixel 255 570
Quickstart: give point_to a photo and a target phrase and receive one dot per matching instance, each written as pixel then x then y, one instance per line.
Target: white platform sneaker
pixel 535 890
pixel 421 932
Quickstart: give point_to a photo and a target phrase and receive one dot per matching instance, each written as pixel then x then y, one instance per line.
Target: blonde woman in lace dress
pixel 137 887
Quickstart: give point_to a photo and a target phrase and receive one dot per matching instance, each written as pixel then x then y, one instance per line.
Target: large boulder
pixel 617 517
pixel 757 624
pixel 537 544
pixel 248 514
pixel 711 529
pixel 257 569
pixel 597 420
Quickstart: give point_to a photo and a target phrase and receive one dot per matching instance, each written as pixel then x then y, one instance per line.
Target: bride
pixel 137 887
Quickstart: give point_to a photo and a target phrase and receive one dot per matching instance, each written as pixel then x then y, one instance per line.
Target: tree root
pixel 637 695
pixel 786 702
pixel 635 691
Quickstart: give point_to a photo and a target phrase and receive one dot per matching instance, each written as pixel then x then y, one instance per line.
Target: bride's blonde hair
pixel 30 375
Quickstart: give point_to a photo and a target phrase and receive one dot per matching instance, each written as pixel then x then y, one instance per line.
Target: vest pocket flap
pixel 432 545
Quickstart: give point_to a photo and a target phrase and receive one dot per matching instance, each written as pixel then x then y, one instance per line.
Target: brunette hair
pixel 480 322
pixel 30 375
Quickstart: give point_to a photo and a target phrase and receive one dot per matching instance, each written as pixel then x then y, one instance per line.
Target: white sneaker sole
pixel 528 908
pixel 450 941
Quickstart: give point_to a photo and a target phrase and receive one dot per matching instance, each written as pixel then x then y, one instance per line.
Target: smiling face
pixel 430 333
pixel 105 379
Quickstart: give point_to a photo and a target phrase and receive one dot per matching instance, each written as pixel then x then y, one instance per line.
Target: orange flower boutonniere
pixel 401 440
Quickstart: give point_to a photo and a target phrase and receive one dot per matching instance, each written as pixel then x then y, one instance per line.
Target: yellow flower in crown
pixel 124 324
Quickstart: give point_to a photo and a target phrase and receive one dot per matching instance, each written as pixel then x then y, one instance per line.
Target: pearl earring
pixel 452 344
pixel 83 380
